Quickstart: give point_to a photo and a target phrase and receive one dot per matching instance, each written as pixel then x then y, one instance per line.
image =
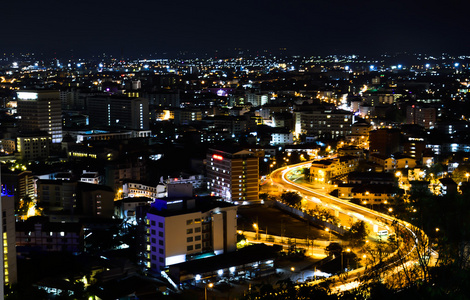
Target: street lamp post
pixel 210 285
pixel 342 264
pixel 255 226
pixel 342 261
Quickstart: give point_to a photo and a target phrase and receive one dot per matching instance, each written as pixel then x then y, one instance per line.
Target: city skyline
pixel 300 27
pixel 244 150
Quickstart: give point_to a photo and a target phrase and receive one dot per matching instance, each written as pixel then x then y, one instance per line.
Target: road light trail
pixel 280 175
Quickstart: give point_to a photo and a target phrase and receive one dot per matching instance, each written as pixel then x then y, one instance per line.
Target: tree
pixel 460 174
pixel 324 215
pixel 291 198
pixel 264 196
pixel 334 248
pixel 357 234
pixel 306 172
pixel 23 206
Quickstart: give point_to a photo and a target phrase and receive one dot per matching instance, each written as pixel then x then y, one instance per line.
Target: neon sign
pixel 218 157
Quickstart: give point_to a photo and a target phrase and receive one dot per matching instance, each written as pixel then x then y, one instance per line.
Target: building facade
pixel 119 112
pixel 38 234
pixel 34 146
pixel 8 237
pixel 423 116
pixel 384 141
pixel 233 175
pixel 75 198
pixel 324 123
pixel 182 229
pixel 40 110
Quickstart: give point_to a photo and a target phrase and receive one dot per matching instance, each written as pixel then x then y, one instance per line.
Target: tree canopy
pixel 357 234
pixel 291 198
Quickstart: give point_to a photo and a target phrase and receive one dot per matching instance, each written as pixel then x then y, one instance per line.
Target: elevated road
pixel 409 253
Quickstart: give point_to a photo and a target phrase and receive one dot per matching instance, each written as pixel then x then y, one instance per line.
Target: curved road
pixel 379 221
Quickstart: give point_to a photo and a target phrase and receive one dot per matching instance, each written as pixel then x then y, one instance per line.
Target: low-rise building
pixel 374 193
pixel 34 146
pixel 135 189
pixel 447 186
pixel 38 234
pixel 399 162
pixel 250 262
pixel 364 178
pixel 281 138
pixel 197 181
pixel 75 198
pixel 323 171
pixel 90 177
pixel 351 151
pixel 126 208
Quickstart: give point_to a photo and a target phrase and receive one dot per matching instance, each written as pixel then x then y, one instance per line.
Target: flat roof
pixel 246 255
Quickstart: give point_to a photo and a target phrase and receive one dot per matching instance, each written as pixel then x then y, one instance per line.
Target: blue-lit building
pixel 182 229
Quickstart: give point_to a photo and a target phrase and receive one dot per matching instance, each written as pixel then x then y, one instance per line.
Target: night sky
pixel 143 27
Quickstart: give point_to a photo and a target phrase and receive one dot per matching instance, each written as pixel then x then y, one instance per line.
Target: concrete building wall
pixel 10 274
pixel 175 237
pixel 234 177
pixel 40 111
pixel 34 147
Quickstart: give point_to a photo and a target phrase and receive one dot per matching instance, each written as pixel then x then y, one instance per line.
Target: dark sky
pixel 140 27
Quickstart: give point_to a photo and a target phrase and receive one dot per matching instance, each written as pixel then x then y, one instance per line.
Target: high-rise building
pixel 162 99
pixel 118 111
pixel 256 99
pixel 8 240
pixel 323 123
pixel 233 174
pixel 424 116
pixel 40 110
pixel 384 141
pixel 184 229
pixel 18 183
pixel 414 147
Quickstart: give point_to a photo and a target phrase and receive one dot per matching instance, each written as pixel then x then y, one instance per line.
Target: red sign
pixel 218 157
